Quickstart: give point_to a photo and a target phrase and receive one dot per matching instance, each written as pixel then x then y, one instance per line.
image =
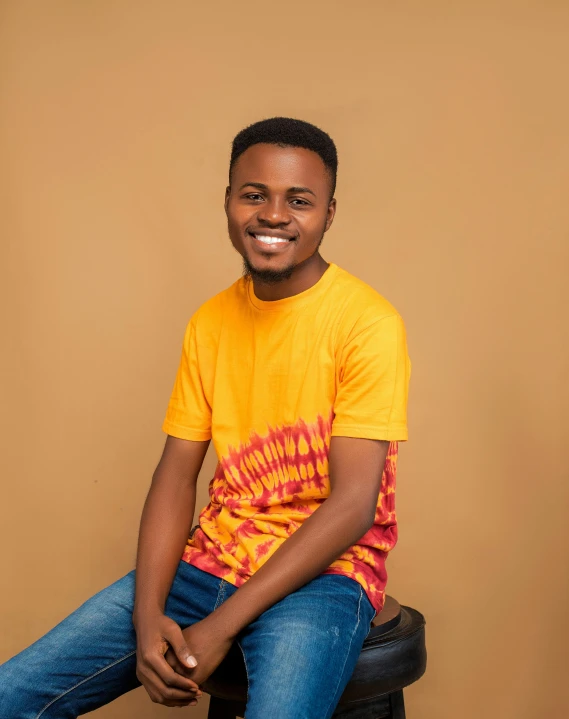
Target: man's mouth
pixel 271 239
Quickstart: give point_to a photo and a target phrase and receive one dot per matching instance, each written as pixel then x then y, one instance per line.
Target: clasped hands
pixel 163 658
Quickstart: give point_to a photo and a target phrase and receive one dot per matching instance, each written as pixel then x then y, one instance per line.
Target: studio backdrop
pixel 452 127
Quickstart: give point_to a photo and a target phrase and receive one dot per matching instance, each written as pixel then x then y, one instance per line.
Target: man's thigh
pixel 301 652
pixel 89 658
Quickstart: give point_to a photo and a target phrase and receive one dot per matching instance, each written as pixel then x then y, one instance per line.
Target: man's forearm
pixel 334 527
pixel 164 528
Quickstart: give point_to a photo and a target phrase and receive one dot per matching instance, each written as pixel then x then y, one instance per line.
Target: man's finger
pixel 172 679
pixel 172 686
pixel 178 667
pixel 167 677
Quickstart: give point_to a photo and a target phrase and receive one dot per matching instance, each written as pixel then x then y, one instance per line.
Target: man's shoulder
pixel 213 310
pixel 361 303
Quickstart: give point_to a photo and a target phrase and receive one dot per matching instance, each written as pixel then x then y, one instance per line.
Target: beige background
pixel 452 124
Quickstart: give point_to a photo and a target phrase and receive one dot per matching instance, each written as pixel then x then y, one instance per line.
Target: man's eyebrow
pixel 261 186
pixel 301 189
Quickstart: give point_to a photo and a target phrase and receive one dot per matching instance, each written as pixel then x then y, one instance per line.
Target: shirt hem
pixel 392 434
pixel 204 562
pixel 372 596
pixel 176 430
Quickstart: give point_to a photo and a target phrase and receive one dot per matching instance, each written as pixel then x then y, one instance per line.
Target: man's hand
pixel 156 635
pixel 210 644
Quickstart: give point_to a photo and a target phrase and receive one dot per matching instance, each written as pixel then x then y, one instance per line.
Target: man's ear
pixel 227 193
pixel 330 214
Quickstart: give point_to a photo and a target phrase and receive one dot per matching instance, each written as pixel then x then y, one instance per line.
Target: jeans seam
pixel 104 669
pixel 220 594
pixel 347 652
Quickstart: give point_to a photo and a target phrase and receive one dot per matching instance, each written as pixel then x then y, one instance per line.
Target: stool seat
pixel 393 656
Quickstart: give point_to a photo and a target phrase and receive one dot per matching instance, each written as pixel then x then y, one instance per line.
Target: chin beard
pixel 268 277
pixel 272 277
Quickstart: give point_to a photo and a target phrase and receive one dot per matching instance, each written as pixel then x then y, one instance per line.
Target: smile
pixel 267 240
pixel 271 239
pixel 266 244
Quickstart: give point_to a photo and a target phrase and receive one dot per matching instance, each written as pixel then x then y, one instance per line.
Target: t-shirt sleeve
pixel 371 400
pixel 188 415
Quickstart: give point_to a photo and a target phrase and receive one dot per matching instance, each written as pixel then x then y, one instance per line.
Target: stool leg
pixel 221 709
pixel 397 705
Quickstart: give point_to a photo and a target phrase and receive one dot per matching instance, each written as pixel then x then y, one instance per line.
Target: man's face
pixel 278 208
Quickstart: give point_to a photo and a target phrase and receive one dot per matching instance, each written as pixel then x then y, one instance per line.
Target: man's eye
pixel 301 202
pixel 254 196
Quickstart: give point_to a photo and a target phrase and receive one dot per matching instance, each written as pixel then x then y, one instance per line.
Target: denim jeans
pixel 299 654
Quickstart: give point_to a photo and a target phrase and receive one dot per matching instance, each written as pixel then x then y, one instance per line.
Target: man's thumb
pixel 185 656
pixel 177 641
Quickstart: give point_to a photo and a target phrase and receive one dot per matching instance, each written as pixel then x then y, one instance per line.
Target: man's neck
pixel 305 276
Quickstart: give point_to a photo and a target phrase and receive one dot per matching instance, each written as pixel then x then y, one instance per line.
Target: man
pixel 299 372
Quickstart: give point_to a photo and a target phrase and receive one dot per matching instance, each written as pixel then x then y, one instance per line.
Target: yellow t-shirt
pixel 271 382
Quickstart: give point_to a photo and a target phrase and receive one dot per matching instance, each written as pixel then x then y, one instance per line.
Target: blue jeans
pixel 299 654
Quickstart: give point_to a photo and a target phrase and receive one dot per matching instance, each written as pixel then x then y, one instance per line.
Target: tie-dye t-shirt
pixel 270 382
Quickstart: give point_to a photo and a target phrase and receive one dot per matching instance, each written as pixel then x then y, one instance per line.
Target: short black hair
pixel 288 132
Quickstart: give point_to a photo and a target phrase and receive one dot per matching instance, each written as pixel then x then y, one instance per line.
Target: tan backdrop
pixel 452 123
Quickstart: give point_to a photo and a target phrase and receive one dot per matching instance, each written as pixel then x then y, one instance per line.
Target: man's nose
pixel 274 211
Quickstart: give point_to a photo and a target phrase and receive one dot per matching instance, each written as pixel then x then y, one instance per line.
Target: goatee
pixel 268 277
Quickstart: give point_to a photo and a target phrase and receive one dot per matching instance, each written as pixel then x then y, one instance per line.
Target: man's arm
pixel 356 467
pixel 164 529
pixel 166 522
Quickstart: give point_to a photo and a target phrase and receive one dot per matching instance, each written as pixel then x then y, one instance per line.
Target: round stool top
pixel 388 618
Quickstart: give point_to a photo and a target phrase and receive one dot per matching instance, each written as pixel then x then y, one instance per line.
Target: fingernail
pixel 192 661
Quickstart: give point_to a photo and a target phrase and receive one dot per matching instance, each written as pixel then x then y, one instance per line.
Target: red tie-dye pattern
pixel 263 491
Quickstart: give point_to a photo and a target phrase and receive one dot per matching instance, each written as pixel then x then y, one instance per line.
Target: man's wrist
pixel 221 622
pixel 144 612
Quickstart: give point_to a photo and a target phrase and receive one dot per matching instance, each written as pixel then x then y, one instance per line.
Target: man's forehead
pixel 280 164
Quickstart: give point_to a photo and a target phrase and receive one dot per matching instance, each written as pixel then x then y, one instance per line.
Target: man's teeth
pixel 270 240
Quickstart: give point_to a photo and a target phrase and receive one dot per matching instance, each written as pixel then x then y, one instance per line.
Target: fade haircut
pixel 288 132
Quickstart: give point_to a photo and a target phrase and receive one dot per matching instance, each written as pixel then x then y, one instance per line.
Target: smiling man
pixel 299 374
pixel 277 225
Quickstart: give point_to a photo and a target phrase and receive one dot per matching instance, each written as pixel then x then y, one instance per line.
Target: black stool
pixel 392 657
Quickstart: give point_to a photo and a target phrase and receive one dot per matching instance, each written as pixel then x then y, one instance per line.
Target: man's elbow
pixel 360 515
